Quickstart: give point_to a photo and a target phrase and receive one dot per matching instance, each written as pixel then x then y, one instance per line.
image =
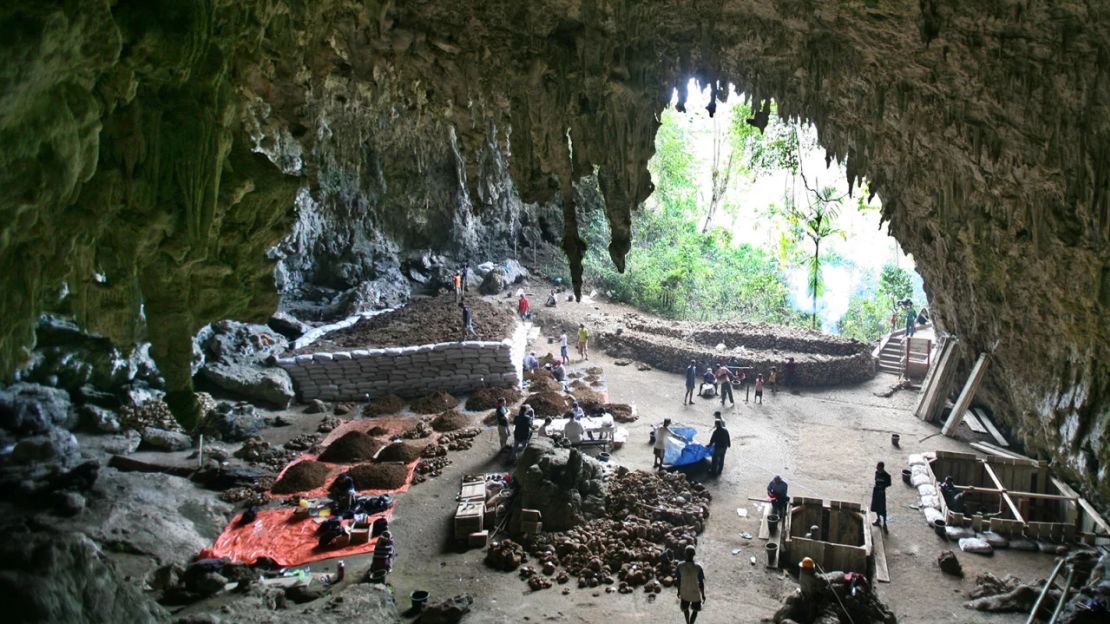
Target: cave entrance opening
pixel 754 224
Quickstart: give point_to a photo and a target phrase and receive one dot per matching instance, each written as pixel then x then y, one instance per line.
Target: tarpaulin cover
pixel 675 451
pixel 276 534
pixel 692 454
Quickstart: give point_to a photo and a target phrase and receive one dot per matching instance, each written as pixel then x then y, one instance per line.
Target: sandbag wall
pixel 414 371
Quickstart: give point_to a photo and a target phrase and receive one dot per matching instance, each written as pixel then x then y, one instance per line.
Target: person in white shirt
pixel 691 586
pixel 564 355
pixel 573 431
pixel 661 435
pixel 530 362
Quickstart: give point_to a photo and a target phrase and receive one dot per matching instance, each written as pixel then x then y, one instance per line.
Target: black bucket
pixel 907 476
pixel 939 526
pixel 772 554
pixel 419 598
pixel 773 523
pixel 895 439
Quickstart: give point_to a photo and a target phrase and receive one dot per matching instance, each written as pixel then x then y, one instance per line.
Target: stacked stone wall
pixel 455 367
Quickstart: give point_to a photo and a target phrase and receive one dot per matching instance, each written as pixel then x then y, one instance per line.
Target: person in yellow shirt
pixel 583 341
pixel 773 379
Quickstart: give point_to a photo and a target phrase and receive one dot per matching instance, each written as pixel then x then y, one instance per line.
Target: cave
pixel 170 164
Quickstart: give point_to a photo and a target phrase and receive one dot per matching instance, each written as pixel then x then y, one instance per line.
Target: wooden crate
pixel 469 518
pixel 844 542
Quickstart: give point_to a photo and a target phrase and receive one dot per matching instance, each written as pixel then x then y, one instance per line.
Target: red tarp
pixel 291 541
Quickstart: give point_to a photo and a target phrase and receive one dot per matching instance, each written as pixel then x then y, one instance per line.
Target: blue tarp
pixel 684 452
pixel 692 454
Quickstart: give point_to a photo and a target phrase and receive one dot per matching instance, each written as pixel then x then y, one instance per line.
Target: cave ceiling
pixel 142 191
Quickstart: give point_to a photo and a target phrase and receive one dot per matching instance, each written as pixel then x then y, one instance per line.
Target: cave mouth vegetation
pixel 195 192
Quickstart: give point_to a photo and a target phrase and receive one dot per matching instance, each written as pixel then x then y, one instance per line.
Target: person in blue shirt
pixel 691 381
pixel 776 491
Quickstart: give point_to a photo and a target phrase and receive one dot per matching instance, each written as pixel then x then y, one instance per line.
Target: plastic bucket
pixel 939 526
pixel 772 554
pixel 895 439
pixel 907 476
pixel 419 598
pixel 603 456
pixel 772 523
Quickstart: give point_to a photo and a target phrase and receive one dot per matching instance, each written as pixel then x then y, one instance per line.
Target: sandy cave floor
pixel 823 442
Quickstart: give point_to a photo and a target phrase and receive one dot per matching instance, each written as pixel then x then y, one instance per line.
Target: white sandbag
pixel 975 545
pixel 932 515
pixel 926 490
pixel 994 539
pixel 958 533
pixel 919 480
pixel 919 469
pixel 930 501
pixel 916 459
pixel 1023 544
pixel 1049 547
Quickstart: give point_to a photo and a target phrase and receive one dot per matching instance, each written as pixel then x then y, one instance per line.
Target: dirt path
pixel 824 443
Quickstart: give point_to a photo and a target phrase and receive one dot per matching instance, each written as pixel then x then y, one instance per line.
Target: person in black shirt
pixel 720 441
pixel 522 429
pixel 468 322
pixel 777 492
pixel 878 495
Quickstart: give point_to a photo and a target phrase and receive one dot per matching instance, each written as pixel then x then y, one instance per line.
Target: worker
pixel 564 355
pixel 773 379
pixel 466 278
pixel 777 492
pixel 522 429
pixel 660 447
pixel 691 379
pixel 576 411
pixel 724 380
pixel 708 379
pixel 911 319
pixel 503 423
pixel 544 432
pixel 530 362
pixel 878 495
pixel 522 306
pixel 558 371
pixel 953 498
pixel 691 586
pixel 573 431
pixel 583 341
pixel 788 372
pixel 468 322
pixel 457 282
pixel 720 441
pixel 552 300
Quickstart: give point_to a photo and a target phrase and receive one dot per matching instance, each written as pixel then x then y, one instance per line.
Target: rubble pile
pixel 430 468
pixel 839 595
pixel 383 405
pixel 433 403
pixel 149 413
pixel 459 440
pixel 420 430
pixel 303 442
pixel 255 450
pixel 506 555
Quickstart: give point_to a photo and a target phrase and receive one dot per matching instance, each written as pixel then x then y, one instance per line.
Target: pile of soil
pixel 387 476
pixel 621 412
pixel 388 404
pixel 301 477
pixel 547 404
pixel 588 399
pixel 352 447
pixel 403 452
pixel 545 384
pixel 594 371
pixel 450 421
pixel 424 321
pixel 487 398
pixel 538 373
pixel 434 403
pixel 377 430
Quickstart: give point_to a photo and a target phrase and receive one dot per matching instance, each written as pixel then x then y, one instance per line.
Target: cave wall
pixel 153 152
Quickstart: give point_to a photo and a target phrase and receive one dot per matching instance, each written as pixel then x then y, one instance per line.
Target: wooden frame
pixel 845 540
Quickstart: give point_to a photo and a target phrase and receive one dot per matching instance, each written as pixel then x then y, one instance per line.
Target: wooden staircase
pixel 891 349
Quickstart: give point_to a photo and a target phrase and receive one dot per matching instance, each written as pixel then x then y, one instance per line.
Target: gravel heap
pixel 351 447
pixel 621 412
pixel 450 420
pixel 403 452
pixel 385 476
pixel 388 404
pixel 487 398
pixel 545 384
pixel 434 403
pixel 423 321
pixel 646 516
pixel 548 404
pixel 302 477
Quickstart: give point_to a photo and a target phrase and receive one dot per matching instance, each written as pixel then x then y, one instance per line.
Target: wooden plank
pixel 935 387
pixel 882 573
pixel 995 433
pixel 983 448
pixel 978 372
pixel 1015 454
pixel 764 528
pixel 1005 495
pixel 971 420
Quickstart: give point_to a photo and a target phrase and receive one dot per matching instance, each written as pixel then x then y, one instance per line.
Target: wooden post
pixel 937 381
pixel 964 401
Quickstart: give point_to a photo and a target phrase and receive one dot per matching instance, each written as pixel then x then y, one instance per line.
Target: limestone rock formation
pixel 153 154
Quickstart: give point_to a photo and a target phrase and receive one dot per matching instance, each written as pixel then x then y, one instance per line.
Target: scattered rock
pixel 316 406
pixel 69 503
pixel 949 564
pixel 162 440
pixel 271 386
pixel 95 418
pixel 28 408
pixel 448 611
pixel 234 422
pixel 287 325
pixel 56 446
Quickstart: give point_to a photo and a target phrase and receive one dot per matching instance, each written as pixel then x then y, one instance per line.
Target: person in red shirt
pixel 522 306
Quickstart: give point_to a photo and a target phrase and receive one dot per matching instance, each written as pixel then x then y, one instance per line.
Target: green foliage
pixel 867 318
pixel 895 283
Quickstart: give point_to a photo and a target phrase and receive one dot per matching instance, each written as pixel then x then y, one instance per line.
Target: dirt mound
pixel 547 404
pixel 352 447
pixel 539 373
pixel 545 384
pixel 388 404
pixel 487 398
pixel 301 477
pixel 387 476
pixel 621 412
pixel 594 370
pixel 403 452
pixel 450 421
pixel 434 403
pixel 589 400
pixel 424 321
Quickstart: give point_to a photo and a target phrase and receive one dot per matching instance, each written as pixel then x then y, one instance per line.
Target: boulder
pixel 233 422
pixel 949 564
pixel 56 446
pixel 271 386
pixel 241 343
pixel 95 418
pixel 566 486
pixel 68 357
pixel 448 611
pixel 287 325
pixel 163 440
pixel 64 577
pixel 515 273
pixel 29 408
pixel 69 503
pixel 494 282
